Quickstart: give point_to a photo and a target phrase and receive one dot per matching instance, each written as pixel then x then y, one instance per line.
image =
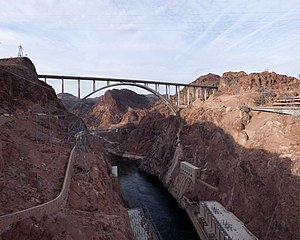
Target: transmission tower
pixel 20 52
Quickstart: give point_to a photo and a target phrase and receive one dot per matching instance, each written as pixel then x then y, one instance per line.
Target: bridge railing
pixel 46 208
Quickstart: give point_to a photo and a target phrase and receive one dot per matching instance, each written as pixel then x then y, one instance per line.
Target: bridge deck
pixel 124 80
pixel 182 96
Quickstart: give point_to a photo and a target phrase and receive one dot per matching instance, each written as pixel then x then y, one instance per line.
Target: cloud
pixel 256 31
pixel 204 34
pixel 165 40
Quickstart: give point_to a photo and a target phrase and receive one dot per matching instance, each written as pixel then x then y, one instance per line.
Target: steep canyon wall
pixel 252 159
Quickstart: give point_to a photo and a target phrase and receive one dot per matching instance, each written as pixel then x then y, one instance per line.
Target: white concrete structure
pixel 190 170
pixel 142 225
pixel 295 111
pixel 114 171
pixel 220 224
pixel 5 114
pixel 137 222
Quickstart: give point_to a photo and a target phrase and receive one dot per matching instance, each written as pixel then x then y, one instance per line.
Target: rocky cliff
pixel 115 109
pixel 118 108
pixel 19 82
pixel 249 161
pixel 33 157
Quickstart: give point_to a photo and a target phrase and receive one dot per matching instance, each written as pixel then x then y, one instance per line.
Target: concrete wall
pixel 295 111
pixel 43 209
pixel 189 170
pixel 126 154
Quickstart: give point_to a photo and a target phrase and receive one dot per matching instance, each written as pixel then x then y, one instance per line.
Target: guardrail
pixel 43 209
pixel 295 111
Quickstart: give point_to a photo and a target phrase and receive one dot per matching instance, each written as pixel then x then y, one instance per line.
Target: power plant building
pixel 218 223
pixel 190 170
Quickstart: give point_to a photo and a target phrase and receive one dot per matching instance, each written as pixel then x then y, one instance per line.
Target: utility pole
pixel 20 52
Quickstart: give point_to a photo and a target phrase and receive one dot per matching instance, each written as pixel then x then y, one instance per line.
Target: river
pixel 142 190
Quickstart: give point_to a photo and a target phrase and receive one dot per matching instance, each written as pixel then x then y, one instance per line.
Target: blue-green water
pixel 142 190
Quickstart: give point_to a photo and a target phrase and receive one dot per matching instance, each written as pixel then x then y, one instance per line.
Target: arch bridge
pixel 184 94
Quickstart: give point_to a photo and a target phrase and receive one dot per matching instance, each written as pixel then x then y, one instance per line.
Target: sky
pixel 175 41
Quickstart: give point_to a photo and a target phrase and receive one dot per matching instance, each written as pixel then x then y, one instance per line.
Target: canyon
pixel 251 158
pixel 249 161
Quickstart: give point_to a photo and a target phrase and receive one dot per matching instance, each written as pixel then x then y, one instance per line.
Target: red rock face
pixel 210 79
pixel 275 85
pixel 253 158
pixel 115 109
pixel 94 209
pixel 123 99
pixel 33 158
pixel 20 86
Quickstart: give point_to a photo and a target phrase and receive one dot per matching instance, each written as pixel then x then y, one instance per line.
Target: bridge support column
pixel 178 95
pixel 62 87
pixel 167 92
pixel 107 83
pixel 78 88
pixel 188 96
pixel 204 94
pixel 169 95
pixel 184 96
pixel 156 87
pixel 45 80
pixel 94 85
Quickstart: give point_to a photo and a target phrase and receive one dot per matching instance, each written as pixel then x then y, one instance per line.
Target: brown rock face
pixel 26 156
pixel 210 79
pixel 94 209
pixel 68 99
pixel 253 159
pixel 116 109
pixel 18 83
pixel 123 99
pixel 33 158
pixel 271 84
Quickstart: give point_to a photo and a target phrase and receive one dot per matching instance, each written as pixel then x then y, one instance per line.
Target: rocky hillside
pixel 67 99
pixel 33 157
pixel 264 87
pixel 70 102
pixel 250 161
pixel 210 79
pixel 116 108
pixel 19 82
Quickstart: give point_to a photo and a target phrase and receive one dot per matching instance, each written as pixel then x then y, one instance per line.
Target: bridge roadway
pixel 198 91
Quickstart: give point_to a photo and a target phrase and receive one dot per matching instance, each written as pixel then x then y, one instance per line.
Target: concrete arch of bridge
pixel 167 102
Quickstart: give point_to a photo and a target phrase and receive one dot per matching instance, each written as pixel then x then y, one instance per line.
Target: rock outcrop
pixel 267 85
pixel 251 158
pixel 116 109
pixel 34 152
pixel 20 86
pixel 210 79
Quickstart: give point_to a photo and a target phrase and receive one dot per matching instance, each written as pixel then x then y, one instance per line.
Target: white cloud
pixel 140 39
